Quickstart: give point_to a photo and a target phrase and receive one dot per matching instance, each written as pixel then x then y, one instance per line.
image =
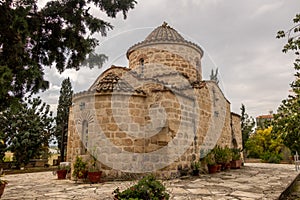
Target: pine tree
pixel 27 129
pixel 64 103
pixel 247 125
pixel 62 33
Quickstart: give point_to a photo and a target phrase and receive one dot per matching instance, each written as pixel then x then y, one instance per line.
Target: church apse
pixel 156 116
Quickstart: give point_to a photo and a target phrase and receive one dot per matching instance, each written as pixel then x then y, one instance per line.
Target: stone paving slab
pixel 253 181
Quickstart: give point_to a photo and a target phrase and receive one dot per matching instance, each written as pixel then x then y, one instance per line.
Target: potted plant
pixel 195 168
pixel 223 156
pixel 79 168
pixel 2 186
pixel 236 158
pixel 211 162
pixel 62 171
pixel 94 174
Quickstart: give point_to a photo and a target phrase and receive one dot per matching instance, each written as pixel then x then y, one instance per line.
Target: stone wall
pixel 157 115
pixel 183 59
pixel 236 129
pixel 132 125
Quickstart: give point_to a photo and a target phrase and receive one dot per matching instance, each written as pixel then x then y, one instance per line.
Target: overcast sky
pixel 238 38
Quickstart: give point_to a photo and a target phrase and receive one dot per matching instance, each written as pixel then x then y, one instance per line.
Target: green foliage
pixel 265 145
pixel 26 130
pixel 148 188
pixel 247 125
pixel 60 34
pixel 271 157
pixel 287 119
pixel 236 154
pixel 62 117
pixel 222 154
pixel 79 167
pixel 210 158
pixel 195 166
pixel 64 167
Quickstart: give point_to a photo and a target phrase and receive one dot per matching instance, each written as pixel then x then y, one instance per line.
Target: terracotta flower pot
pixel 94 177
pixel 61 174
pixel 2 186
pixel 83 174
pixel 219 167
pixel 236 164
pixel 212 169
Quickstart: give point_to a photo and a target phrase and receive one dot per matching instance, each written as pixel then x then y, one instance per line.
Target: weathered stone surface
pixel 159 100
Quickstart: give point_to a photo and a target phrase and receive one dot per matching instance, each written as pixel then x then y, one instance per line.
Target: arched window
pixel 141 61
pixel 85 136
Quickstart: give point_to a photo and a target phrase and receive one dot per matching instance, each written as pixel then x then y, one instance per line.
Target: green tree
pixel 265 145
pixel 62 33
pixel 27 129
pixel 62 117
pixel 247 125
pixel 287 119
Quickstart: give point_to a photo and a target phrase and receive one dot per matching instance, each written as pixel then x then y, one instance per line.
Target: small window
pixel 141 62
pixel 85 136
pixel 142 66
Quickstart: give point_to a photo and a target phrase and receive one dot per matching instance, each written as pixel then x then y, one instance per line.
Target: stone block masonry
pixel 155 116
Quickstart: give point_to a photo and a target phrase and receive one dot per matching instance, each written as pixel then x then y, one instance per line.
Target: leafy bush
pixel 271 157
pixel 148 188
pixel 80 167
pixel 236 154
pixel 265 145
pixel 210 158
pixel 195 168
pixel 222 155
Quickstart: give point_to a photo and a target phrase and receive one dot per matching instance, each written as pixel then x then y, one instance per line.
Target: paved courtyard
pixel 253 181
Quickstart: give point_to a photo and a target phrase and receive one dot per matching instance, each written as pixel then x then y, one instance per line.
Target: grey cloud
pixel 238 37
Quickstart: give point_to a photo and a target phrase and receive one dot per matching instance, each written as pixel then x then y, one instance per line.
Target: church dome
pixel 164 34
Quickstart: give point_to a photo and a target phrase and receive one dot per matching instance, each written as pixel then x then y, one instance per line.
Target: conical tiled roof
pixel 111 82
pixel 164 34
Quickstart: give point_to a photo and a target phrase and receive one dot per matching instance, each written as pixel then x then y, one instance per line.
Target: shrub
pixel 79 167
pixel 210 158
pixel 148 188
pixel 195 168
pixel 271 157
pixel 265 145
pixel 222 155
pixel 236 154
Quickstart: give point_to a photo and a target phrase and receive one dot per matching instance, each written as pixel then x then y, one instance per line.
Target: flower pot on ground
pixel 219 167
pixel 211 162
pixel 94 177
pixel 2 186
pixel 212 169
pixel 62 172
pixel 236 162
pixel 94 174
pixel 223 156
pixel 82 174
pixel 195 168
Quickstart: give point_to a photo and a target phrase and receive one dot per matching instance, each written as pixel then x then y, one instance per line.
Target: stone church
pixel 156 115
